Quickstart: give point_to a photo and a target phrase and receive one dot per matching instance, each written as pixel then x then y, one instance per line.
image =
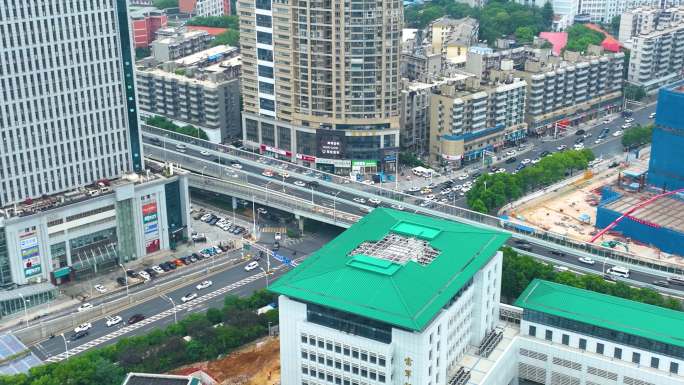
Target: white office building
pixel 398 298
pixel 73 184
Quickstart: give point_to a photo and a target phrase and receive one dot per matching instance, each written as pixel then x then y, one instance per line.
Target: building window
pixel 346 351
pixel 364 356
pixel 381 361
pixel 267 104
pixel 265 71
pixel 264 38
pixel 674 367
pixel 549 335
pixel 266 88
pixel 636 357
pixel 304 339
pixel 599 348
pixel 355 353
pixel 565 339
pixel 263 21
pixel 618 353
pixel 533 331
pixel 264 54
pixel 263 4
pixel 655 362
pixel 583 344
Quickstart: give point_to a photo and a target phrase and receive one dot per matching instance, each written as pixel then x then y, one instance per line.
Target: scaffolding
pixel 461 377
pixel 398 249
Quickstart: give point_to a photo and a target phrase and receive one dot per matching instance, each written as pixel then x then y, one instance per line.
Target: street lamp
pixel 266 274
pixel 175 317
pixel 66 346
pixel 25 308
pixel 125 277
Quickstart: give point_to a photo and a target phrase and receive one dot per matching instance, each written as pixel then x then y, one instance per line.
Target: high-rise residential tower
pixel 75 196
pixel 320 81
pixel 67 106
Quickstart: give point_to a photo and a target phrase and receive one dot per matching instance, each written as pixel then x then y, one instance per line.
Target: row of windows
pixel 339 379
pixel 338 348
pixel 604 333
pixel 600 349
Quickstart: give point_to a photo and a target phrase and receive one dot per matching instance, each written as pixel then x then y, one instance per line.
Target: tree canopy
pixel 519 270
pixel 165 4
pixel 214 333
pixel 634 92
pixel 231 37
pixel 493 191
pixel 637 136
pixel 225 21
pixel 580 37
pixel 497 18
pixel 165 124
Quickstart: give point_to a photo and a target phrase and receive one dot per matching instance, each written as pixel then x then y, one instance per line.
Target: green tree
pixel 547 15
pixel 634 92
pixel 230 37
pixel 637 136
pixel 165 4
pixel 214 315
pixel 580 37
pixel 615 25
pixel 231 22
pixel 479 206
pixel 141 53
pixel 165 124
pixel 524 34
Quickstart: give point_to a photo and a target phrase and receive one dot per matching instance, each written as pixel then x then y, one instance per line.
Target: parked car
pixel 278 236
pixel 157 269
pixel 580 132
pixel 143 274
pixel 135 318
pixel 121 281
pixel 100 289
pixel 131 273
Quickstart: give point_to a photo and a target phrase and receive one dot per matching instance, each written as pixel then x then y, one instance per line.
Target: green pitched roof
pixel 615 313
pixel 405 295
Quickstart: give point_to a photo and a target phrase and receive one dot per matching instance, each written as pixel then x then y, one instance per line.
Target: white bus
pixel 619 271
pixel 422 171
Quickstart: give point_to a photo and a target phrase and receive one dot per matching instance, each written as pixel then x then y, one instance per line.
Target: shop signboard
pixel 30 254
pixel 150 226
pixel 364 163
pixel 334 162
pixel 306 158
pixel 331 144
pixel 275 150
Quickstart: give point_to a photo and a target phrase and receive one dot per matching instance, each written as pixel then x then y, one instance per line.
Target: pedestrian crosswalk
pixel 292 241
pixel 129 328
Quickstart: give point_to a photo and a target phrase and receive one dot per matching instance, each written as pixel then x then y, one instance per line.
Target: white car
pixel 510 153
pixel 374 201
pixel 284 175
pixel 578 146
pixel 111 321
pixel 526 161
pixel 359 200
pixel 180 147
pixel 85 306
pixel 100 289
pixel 501 171
pixel 236 165
pixel 278 236
pixel 398 207
pixel 465 189
pixel 204 285
pixel 83 327
pixel 430 197
pixel 535 160
pixel 629 120
pixel 299 183
pixel 587 260
pixel 368 182
pixel 467 184
pixel 267 173
pixel 617 133
pixel 188 297
pixel 463 177
pixel 143 274
pixel 625 126
pixel 157 269
pixel 598 141
pixel 652 115
pixel 204 152
pixel 445 191
pixel 561 268
pixel 205 217
pixel 251 266
pixel 561 147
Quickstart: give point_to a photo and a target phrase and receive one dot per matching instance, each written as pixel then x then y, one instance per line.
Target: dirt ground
pixel 559 212
pixel 255 364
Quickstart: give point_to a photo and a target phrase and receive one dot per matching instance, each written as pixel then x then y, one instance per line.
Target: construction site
pixel 581 209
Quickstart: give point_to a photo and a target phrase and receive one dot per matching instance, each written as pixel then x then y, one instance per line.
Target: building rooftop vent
pixel 398 249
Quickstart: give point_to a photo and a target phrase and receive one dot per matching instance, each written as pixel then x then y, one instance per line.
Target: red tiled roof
pixel 557 39
pixel 213 31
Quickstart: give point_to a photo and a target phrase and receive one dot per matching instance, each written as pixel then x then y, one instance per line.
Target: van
pixel 619 271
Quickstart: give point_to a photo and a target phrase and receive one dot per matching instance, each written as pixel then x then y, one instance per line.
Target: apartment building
pixel 66 143
pixel 563 92
pixel 320 80
pixel 415 112
pixel 453 37
pixel 146 23
pixel 480 61
pixel 205 7
pixel 172 44
pixel 424 291
pixel 202 89
pixel 603 11
pixel 645 20
pixel 471 118
pixel 657 57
